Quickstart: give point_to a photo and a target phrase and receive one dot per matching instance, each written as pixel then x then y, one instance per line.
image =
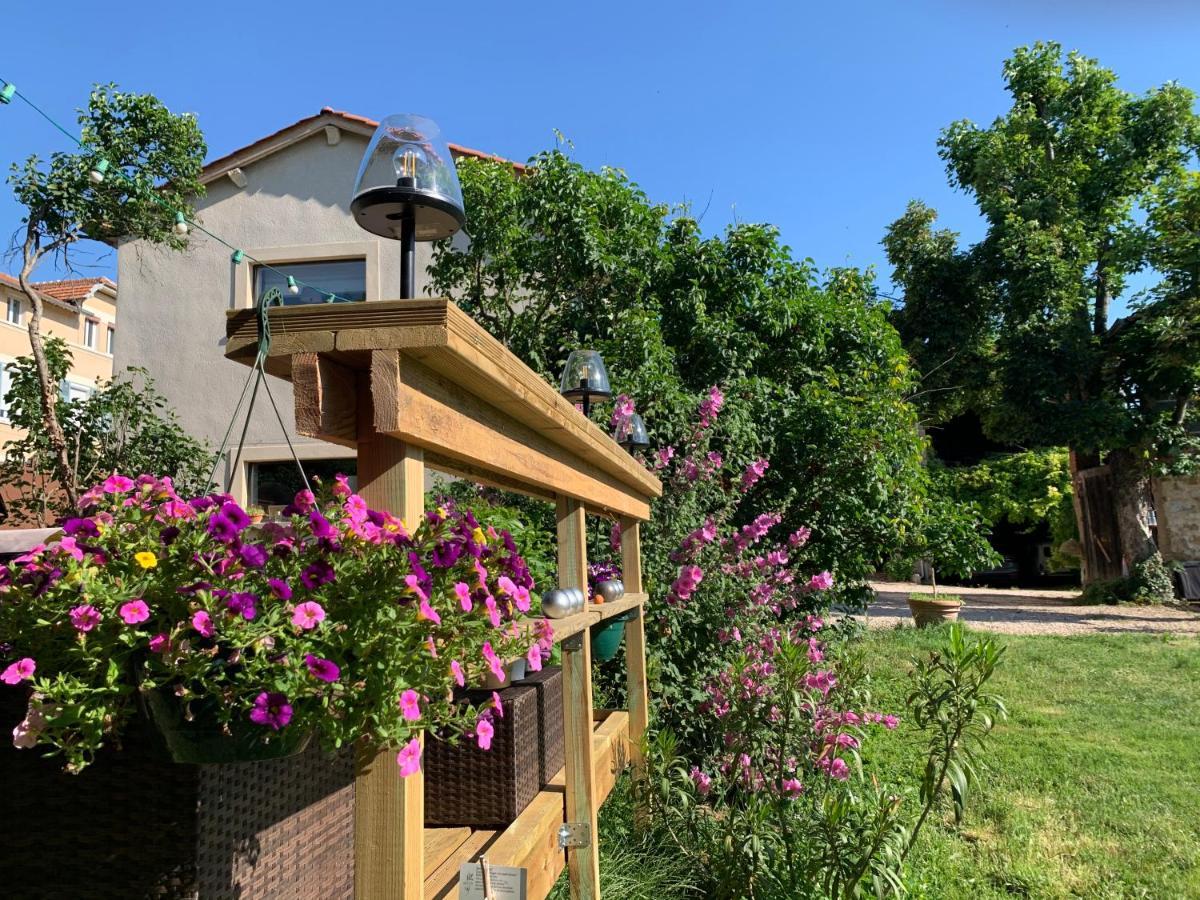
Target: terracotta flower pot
pixel 929 610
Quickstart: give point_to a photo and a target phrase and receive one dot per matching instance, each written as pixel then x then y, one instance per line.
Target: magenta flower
pixel 308 615
pixel 534 658
pixel 271 709
pixel 117 484
pixel 493 661
pixel 427 613
pixel 702 781
pixel 134 611
pixel 243 604
pixel 493 611
pixel 497 704
pixel 160 643
pixel 464 596
pixel 321 527
pixel 85 617
pixel 322 669
pixel 753 474
pixel 21 670
pixel 792 787
pixel 414 587
pixel 280 588
pixel 710 406
pixel 202 622
pixel 317 574
pixel 409 758
pixel 253 555
pixel 457 672
pixel 483 734
pixel 821 582
pixel 69 546
pixel 410 705
pixel 890 722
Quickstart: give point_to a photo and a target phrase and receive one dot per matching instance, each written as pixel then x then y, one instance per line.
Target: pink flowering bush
pixel 340 621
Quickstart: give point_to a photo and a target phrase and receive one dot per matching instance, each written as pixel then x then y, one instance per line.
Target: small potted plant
pixel 256 514
pixel 951 541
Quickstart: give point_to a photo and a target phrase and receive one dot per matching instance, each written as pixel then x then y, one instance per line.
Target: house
pixel 283 200
pixel 81 311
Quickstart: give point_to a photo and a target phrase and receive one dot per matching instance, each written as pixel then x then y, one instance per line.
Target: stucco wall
pixel 1177 504
pixel 173 304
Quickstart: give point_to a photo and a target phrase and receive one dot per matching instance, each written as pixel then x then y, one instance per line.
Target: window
pixel 345 277
pixel 110 340
pixel 89 333
pixel 5 387
pixel 14 311
pixel 73 391
pixel 277 483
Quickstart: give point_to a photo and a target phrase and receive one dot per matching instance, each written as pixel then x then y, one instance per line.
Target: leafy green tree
pixel 153 161
pixel 815 378
pixel 124 426
pixel 1021 320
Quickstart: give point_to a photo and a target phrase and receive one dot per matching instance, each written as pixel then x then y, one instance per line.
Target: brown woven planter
pixel 135 825
pixel 468 786
pixel 929 611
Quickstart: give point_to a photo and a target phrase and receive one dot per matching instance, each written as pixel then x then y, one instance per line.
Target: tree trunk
pixel 65 474
pixel 1131 481
pixel 1077 461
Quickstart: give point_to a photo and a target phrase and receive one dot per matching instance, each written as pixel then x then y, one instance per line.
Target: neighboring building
pixel 81 311
pixel 285 200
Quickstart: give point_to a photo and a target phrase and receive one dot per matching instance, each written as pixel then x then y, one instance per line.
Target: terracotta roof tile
pixel 72 288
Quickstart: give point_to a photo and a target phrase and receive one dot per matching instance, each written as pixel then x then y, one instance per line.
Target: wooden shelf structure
pixel 416 383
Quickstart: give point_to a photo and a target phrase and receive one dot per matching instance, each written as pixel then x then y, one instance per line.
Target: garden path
pixel 1021 611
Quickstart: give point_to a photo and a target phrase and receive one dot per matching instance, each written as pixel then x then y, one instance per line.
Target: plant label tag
pixel 507 882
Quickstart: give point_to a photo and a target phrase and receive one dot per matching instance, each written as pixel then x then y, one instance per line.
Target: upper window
pixel 347 278
pixel 110 341
pixel 14 311
pixel 73 391
pixel 89 333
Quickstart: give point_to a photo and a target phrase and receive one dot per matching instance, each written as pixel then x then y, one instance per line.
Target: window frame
pixel 367 251
pixel 14 303
pixel 91 333
pixel 110 337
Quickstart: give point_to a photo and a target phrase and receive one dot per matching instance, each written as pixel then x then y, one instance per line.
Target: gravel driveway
pixel 1035 612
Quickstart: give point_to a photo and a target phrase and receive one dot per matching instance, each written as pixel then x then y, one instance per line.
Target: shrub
pixel 338 621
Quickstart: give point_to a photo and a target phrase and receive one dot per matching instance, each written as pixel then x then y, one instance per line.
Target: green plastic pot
pixel 203 741
pixel 607 636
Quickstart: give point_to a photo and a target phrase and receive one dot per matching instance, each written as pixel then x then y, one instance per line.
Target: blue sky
pixel 821 119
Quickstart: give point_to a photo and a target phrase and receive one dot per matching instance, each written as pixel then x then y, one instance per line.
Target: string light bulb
pixel 237 256
pixel 7 92
pixel 181 225
pixel 293 288
pixel 98 170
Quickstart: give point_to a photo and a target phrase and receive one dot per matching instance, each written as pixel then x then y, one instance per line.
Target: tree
pixel 814 377
pixel 150 161
pixel 1061 180
pixel 123 426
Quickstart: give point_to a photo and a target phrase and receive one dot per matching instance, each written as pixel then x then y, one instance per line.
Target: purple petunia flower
pixel 320 526
pixel 446 553
pixel 245 604
pixel 280 588
pixel 271 709
pixel 322 669
pixel 221 528
pixel 84 527
pixel 253 555
pixel 317 574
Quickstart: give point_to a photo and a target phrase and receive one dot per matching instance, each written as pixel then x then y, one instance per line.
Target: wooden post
pixel 583 862
pixel 635 640
pixel 389 811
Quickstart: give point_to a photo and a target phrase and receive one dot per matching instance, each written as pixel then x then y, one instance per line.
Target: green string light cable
pixel 8 91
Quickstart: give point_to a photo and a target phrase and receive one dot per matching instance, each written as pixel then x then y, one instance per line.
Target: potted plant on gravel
pixel 238 642
pixel 950 541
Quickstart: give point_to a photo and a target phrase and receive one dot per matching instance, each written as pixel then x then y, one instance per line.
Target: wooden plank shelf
pixel 531 841
pixel 592 615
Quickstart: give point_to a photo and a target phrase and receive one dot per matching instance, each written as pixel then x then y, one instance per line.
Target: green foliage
pixel 124 426
pixel 949 702
pixel 1020 320
pixel 160 154
pixel 816 378
pixel 1149 582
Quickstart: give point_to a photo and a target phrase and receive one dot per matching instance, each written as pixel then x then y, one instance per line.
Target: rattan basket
pixel 468 786
pixel 133 825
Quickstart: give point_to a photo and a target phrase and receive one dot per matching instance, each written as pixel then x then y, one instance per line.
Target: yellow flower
pixel 478 536
pixel 146 559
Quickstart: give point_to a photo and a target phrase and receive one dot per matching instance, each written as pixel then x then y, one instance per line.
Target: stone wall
pixel 1177 504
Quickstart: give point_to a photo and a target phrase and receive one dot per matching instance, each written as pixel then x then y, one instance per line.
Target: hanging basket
pixel 607 637
pixel 204 741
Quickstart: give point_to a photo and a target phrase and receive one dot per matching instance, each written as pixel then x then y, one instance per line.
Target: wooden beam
pixel 635 641
pixel 238 177
pixel 389 811
pixel 418 405
pixel 326 399
pixel 583 862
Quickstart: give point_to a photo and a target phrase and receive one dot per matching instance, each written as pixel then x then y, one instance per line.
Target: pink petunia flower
pixel 160 643
pixel 308 615
pixel 410 705
pixel 134 611
pixel 409 758
pixel 497 704
pixel 483 734
pixel 85 617
pixel 202 622
pixel 427 613
pixel 464 596
pixel 534 658
pixel 117 484
pixel 21 670
pixel 457 672
pixel 272 710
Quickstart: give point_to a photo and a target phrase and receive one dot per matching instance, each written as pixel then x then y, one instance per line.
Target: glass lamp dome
pixel 408 173
pixel 631 434
pixel 585 377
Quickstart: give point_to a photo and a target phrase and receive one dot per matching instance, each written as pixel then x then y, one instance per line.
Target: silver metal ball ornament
pixel 610 590
pixel 557 603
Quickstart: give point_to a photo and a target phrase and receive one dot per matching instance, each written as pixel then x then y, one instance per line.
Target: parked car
pixel 1003 574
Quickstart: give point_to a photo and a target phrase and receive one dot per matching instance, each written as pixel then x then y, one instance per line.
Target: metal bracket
pixel 574 642
pixel 574 835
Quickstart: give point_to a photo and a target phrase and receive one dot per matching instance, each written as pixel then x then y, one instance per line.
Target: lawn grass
pixel 1094 781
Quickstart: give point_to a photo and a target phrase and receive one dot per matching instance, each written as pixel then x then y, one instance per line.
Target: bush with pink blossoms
pixel 339 620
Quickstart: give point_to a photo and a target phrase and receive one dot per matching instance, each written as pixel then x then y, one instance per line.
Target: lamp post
pixel 631 433
pixel 407 189
pixel 585 379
